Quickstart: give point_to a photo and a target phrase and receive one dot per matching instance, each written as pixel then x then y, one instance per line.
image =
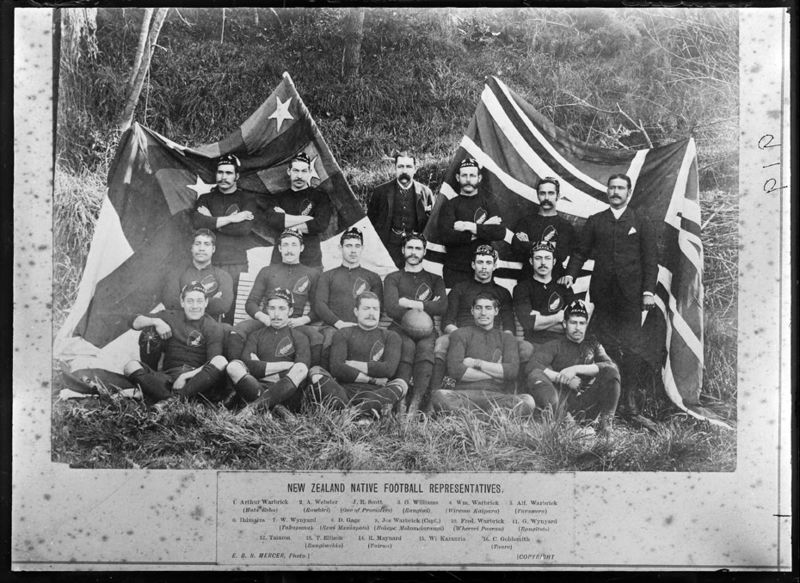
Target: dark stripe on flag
pixel 135 286
pixel 537 146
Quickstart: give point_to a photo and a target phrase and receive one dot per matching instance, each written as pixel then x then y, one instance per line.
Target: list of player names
pixel 296 519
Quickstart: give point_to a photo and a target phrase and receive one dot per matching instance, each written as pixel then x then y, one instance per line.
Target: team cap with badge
pixel 351 233
pixel 543 246
pixel 302 157
pixel 290 232
pixel 576 308
pixel 193 286
pixel 408 236
pixel 485 250
pixel 229 159
pixel 469 163
pixel 281 293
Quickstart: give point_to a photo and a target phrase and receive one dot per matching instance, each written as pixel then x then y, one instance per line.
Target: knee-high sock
pixel 208 376
pixel 152 387
pixel 422 380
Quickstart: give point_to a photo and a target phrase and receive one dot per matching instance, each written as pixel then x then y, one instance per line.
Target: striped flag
pixel 516 145
pixel 144 228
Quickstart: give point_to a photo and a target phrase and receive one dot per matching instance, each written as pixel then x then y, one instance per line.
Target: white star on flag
pixel 281 112
pixel 200 187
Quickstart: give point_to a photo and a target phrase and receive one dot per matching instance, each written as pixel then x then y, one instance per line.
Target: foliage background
pixel 620 78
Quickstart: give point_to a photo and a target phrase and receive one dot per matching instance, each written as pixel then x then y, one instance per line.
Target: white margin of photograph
pixel 122 519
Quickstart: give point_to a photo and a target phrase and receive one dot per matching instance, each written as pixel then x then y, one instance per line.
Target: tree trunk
pixel 126 119
pixel 78 26
pixel 353 34
pixel 147 16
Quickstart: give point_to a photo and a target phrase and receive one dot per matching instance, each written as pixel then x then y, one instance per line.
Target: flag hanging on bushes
pixel 516 145
pixel 144 229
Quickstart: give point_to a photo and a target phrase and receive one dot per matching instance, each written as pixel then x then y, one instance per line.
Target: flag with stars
pixel 144 229
pixel 516 145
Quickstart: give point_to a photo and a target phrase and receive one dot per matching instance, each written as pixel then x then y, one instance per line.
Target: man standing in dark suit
pixel 399 207
pixel 624 246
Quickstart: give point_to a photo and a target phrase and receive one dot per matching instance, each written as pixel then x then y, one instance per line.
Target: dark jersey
pixel 459 305
pixel 379 348
pixel 282 345
pixel 547 299
pixel 338 289
pixel 232 240
pixel 193 342
pixel 556 230
pixel 461 245
pixel 559 354
pixel 422 286
pixel 308 202
pixel 213 279
pixel 299 278
pixel 489 345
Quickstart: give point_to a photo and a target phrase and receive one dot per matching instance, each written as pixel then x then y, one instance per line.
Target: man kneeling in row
pixel 275 358
pixel 363 363
pixel 192 347
pixel 484 363
pixel 575 374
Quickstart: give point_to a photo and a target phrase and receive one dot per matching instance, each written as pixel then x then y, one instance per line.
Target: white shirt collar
pixel 618 212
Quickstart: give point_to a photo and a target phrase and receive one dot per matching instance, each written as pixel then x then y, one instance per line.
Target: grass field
pixel 101 432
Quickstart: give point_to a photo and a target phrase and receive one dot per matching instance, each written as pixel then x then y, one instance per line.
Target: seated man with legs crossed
pixel 192 344
pixel 484 363
pixel 288 273
pixel 574 373
pixel 275 358
pixel 364 361
pixel 459 307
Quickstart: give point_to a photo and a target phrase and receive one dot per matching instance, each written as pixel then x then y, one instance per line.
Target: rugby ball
pixel 417 324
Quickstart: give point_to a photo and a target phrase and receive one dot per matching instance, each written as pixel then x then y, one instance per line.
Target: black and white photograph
pixel 580 166
pixel 410 251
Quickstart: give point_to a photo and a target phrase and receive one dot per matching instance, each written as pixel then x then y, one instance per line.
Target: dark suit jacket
pixel 380 207
pixel 625 250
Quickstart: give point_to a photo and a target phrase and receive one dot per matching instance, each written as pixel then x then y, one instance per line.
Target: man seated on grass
pixel 338 288
pixel 364 361
pixel 216 281
pixel 288 273
pixel 192 345
pixel 483 362
pixel 414 288
pixel 275 358
pixel 459 306
pixel 539 301
pixel 574 373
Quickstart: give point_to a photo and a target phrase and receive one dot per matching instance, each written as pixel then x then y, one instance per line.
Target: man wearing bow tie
pixel 624 245
pixel 399 207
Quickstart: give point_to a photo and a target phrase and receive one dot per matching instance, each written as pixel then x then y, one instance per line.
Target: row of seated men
pixel 321 335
